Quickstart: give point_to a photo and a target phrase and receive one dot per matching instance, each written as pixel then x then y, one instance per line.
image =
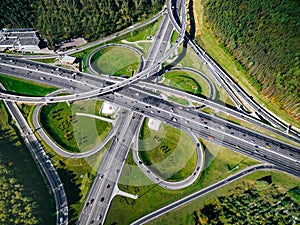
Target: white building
pixel 154 124
pixel 68 59
pixel 24 40
pixel 108 108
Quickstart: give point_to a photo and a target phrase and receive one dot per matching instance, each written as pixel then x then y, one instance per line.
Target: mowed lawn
pixel 25 87
pixel 170 152
pixel 187 81
pixel 219 163
pixel 72 132
pixel 116 61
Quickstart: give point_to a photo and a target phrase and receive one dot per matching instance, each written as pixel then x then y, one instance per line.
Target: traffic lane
pixel 107 170
pixel 165 116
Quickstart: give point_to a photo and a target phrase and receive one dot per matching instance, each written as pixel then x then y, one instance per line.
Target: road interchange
pixel 186 119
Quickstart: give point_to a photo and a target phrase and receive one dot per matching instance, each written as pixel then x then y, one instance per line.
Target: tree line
pixel 263 37
pixel 64 19
pixel 251 203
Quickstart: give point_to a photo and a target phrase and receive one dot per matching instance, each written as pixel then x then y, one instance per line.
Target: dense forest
pixel 16 205
pixel 64 19
pixel 252 203
pixel 263 37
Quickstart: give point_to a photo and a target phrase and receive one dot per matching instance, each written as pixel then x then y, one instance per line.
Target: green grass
pixel 183 215
pixel 206 39
pixel 17 157
pixel 52 60
pixel 142 33
pixel 116 61
pixel 83 56
pixel 139 34
pixel 174 37
pixel 75 134
pixel 218 163
pixel 25 87
pixel 187 81
pixel 192 60
pixel 178 100
pixel 77 175
pixel 170 152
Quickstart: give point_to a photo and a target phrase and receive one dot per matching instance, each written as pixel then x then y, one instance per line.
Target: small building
pixel 68 59
pixel 108 108
pixel 154 124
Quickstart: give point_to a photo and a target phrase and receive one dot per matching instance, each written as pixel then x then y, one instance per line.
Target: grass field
pixel 190 59
pixel 17 158
pixel 219 163
pixel 187 81
pixel 184 215
pixel 116 61
pixel 206 39
pixel 139 34
pixel 74 133
pixel 21 86
pixel 169 152
pixel 77 175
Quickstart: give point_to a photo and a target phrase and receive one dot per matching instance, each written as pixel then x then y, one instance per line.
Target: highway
pixel 134 95
pixel 105 184
pixel 201 193
pixel 225 133
pixel 85 82
pixel 44 164
pixel 118 150
pixel 228 83
pixel 101 90
pixel 150 114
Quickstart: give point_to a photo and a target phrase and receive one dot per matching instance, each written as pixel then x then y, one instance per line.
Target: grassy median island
pixel 220 162
pixel 22 86
pixel 187 81
pixel 169 152
pixel 73 132
pixel 116 61
pixel 25 198
pixel 77 175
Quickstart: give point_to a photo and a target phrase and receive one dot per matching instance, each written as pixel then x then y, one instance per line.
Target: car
pixel 201 119
pixel 174 119
pixel 237 146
